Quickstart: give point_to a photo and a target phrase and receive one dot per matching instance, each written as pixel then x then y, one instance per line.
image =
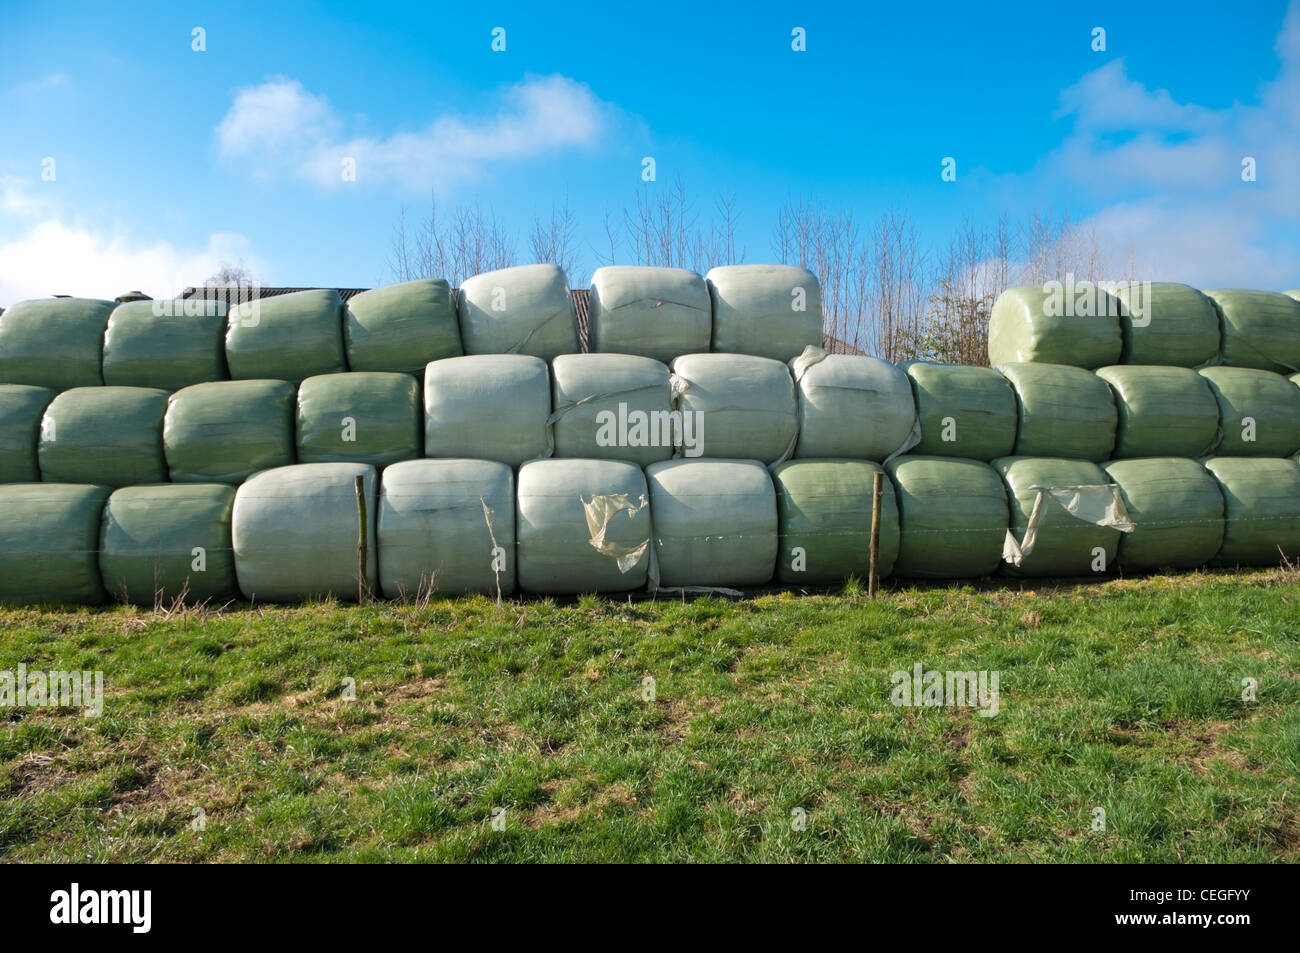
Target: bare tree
pixel 231 274
pixel 474 241
pixel 555 242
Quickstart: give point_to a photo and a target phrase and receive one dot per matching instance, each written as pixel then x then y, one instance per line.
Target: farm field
pixel 533 732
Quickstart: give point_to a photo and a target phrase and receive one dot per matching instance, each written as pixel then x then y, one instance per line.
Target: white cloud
pixel 280 127
pixel 56 258
pixel 1166 176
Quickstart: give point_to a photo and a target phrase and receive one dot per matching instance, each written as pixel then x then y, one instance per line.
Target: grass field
pixel 1124 696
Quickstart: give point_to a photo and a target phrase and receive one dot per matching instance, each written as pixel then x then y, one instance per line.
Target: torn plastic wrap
pixel 601 510
pixel 1100 505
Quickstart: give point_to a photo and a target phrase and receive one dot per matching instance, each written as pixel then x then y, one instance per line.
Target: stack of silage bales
pixel 1206 421
pixel 180 449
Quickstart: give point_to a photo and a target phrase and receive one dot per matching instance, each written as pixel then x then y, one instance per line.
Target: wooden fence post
pixel 363 541
pixel 877 487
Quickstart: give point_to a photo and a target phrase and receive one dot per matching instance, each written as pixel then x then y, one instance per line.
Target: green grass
pixel 1124 695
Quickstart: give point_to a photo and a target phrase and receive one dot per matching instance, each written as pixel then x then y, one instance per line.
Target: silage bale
pixel 487 407
pixel 21 408
pixel 613 407
pixel 1261 499
pixel 1164 322
pixel 295 531
pixel 852 406
pixel 1259 411
pixel 1062 411
pixel 224 431
pixel 952 517
pixel 1075 324
pixel 1066 545
pixel 168 344
pixel 435 534
pixel 1162 411
pixel 167 541
pixel 359 417
pixel 772 311
pixel 582 526
pixel 523 310
pixel 111 435
pixel 1260 329
pixel 286 337
pixel 54 342
pixel 824 519
pixel 660 313
pixel 742 406
pixel 963 411
pixel 49 537
pixel 715 522
pixel 1176 509
pixel 401 327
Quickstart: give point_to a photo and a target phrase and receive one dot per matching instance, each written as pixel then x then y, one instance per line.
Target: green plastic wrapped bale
pixel 1260 329
pixel 54 342
pixel 167 542
pixel 952 517
pixel 772 311
pixel 613 407
pixel 660 313
pixel 1062 412
pixel 111 435
pixel 401 327
pixel 715 522
pixel 852 406
pixel 1164 322
pixel 225 431
pixel 487 407
pixel 1162 411
pixel 21 408
pixel 524 310
pixel 286 337
pixel 1261 499
pixel 49 535
pixel 295 531
pixel 1176 509
pixel 434 533
pixel 360 417
pixel 738 406
pixel 167 344
pixel 1066 545
pixel 582 526
pixel 1054 324
pixel 824 513
pixel 963 411
pixel 1259 411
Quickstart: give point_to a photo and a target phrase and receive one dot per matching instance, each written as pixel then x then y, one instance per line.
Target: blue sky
pixel 168 160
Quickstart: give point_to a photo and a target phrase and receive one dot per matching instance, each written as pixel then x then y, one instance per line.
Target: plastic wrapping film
pixel 21 408
pixel 225 431
pixel 523 310
pixel 167 344
pixel 658 313
pixel 962 411
pixel 359 417
pixel 1164 322
pixel 853 407
pixel 772 311
pixel 1176 510
pixel 54 342
pixel 1261 510
pixel 1260 329
pixel 286 337
pixel 1062 411
pixel 1042 325
pixel 107 435
pixel 488 407
pixel 49 543
pixel 613 407
pixel 1259 412
pixel 1163 411
pixel 446 526
pixel 743 406
pixel 401 327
